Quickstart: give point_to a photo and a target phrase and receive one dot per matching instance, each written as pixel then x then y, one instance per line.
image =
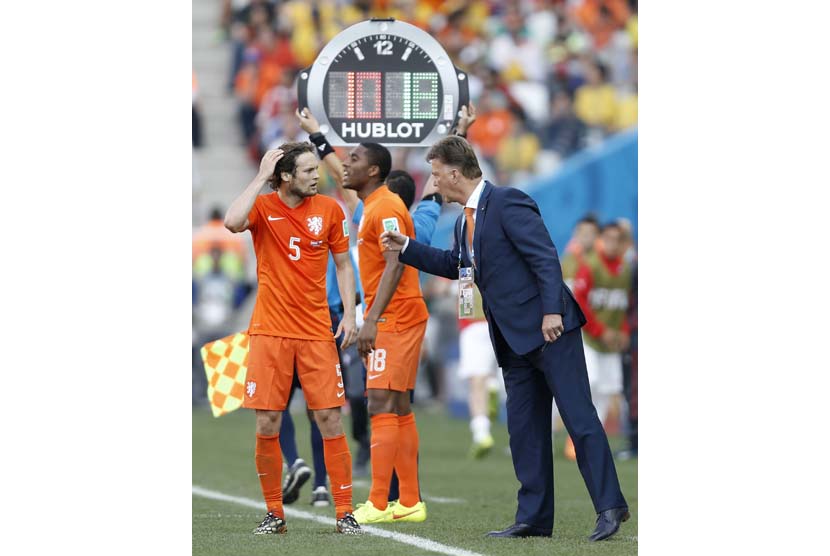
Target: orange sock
pixel 570 450
pixel 269 468
pixel 406 462
pixel 339 468
pixel 384 449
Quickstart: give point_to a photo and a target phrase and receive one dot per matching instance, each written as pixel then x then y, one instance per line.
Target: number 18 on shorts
pixel 393 364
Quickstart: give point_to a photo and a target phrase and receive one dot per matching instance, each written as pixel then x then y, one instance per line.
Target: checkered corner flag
pixel 226 364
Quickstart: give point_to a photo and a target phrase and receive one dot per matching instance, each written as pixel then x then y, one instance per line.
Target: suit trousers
pixel 531 380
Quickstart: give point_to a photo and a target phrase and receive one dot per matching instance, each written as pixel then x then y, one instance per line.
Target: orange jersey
pixel 384 210
pixel 292 249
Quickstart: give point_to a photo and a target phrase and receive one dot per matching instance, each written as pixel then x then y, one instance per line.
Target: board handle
pixel 463 92
pixel 302 88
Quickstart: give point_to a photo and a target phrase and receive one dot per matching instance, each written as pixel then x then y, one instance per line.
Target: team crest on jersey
pixel 250 388
pixel 391 225
pixel 315 224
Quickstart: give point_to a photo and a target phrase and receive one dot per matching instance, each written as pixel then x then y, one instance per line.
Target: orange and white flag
pixel 226 364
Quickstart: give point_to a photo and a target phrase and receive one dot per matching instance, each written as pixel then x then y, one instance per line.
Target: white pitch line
pixel 419 542
pixel 444 500
pixel 427 497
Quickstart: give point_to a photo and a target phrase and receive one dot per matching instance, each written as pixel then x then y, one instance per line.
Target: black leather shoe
pixel 608 522
pixel 520 530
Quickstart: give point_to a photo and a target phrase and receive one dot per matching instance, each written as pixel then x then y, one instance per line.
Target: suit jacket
pixel 517 268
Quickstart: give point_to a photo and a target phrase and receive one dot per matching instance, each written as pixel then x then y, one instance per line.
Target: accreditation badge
pixel 466 289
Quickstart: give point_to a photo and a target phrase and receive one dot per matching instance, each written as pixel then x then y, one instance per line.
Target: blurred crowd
pixel 220 286
pixel 548 77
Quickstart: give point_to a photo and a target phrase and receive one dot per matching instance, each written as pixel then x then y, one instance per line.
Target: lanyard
pixel 468 247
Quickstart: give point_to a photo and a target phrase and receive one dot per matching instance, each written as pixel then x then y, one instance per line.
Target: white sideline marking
pixel 427 497
pixel 443 500
pixel 419 542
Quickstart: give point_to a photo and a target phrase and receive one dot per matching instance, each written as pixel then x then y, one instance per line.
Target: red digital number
pixel 368 95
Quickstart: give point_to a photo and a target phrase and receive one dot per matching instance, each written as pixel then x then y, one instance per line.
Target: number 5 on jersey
pixel 294 247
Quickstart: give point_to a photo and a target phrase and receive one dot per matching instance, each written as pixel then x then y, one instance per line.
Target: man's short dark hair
pixel 401 183
pixel 379 156
pixel 609 225
pixel 456 151
pixel 590 218
pixel 288 162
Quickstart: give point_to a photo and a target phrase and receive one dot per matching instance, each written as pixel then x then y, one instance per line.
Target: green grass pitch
pixel 485 491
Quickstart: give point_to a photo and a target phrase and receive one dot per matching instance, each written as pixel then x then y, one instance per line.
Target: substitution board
pixel 383 81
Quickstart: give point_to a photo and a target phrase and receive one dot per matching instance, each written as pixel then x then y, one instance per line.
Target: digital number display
pixel 398 94
pixel 367 95
pixel 425 96
pixel 384 81
pixel 375 95
pixel 341 95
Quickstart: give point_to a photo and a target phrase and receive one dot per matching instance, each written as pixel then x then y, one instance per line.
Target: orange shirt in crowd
pixel 292 251
pixel 489 131
pixel 588 15
pixel 245 84
pixel 254 81
pixel 384 210
pixel 214 234
pixel 269 76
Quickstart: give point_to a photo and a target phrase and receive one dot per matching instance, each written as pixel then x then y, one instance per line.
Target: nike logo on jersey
pixel 340 395
pixel 374 376
pixel 278 218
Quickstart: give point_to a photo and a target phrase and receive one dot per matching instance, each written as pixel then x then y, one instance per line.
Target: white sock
pixel 602 403
pixel 554 418
pixel 480 427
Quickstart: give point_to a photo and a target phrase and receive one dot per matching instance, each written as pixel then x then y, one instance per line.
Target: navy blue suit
pixel 520 279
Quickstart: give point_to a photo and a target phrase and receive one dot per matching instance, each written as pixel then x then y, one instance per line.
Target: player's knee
pixel 328 420
pixel 381 404
pixel 402 404
pixel 268 422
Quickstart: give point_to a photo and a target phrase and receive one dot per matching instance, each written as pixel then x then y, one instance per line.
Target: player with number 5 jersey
pixel 390 339
pixel 293 230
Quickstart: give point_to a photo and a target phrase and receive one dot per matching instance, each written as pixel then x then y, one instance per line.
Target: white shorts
pixel 476 356
pixel 604 371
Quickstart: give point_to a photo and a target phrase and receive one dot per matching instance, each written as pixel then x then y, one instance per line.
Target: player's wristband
pixel 323 147
pixel 434 197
